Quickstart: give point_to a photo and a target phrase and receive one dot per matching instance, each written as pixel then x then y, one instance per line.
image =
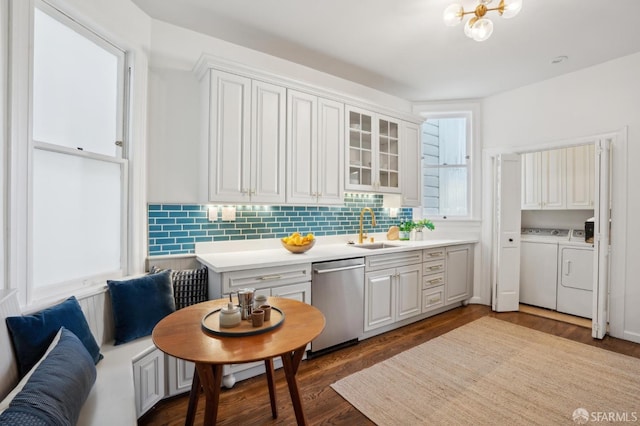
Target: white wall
pixel 178 48
pixel 596 100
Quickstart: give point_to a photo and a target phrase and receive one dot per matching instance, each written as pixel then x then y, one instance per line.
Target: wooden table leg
pixel 268 365
pixel 290 363
pixel 211 380
pixel 193 399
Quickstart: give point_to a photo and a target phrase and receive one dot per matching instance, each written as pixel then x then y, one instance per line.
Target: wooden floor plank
pixel 248 402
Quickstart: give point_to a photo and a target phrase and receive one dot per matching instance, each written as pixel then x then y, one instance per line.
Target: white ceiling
pixel 403 47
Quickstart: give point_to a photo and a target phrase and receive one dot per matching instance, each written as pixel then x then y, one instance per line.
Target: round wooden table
pixel 181 335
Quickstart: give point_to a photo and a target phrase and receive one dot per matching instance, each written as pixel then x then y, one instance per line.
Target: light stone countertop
pixel 221 257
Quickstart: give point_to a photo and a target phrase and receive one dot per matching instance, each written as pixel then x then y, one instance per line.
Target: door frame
pixel 619 176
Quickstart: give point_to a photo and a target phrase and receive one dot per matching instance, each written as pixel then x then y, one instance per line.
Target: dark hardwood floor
pixel 248 402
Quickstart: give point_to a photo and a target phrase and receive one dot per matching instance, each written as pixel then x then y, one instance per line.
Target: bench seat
pixel 112 398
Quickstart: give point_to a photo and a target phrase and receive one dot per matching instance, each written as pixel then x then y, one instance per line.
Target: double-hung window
pixel 446 148
pixel 78 173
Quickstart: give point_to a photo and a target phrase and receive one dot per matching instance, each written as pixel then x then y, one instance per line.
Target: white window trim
pixel 19 157
pixel 470 109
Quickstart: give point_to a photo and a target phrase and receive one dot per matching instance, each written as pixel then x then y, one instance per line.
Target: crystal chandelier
pixel 479 27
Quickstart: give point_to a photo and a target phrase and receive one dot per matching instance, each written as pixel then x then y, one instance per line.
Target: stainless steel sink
pixel 374 246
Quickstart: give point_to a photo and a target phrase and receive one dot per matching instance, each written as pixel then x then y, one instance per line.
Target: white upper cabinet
pixel 373 153
pixel 315 135
pixel 269 139
pixel 553 179
pixel 580 177
pixel 411 156
pixel 531 181
pixel 246 140
pixel 558 179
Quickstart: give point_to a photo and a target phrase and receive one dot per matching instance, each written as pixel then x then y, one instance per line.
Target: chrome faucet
pixel 373 221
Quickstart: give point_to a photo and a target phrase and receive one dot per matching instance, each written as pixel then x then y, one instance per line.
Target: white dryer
pixel 575 277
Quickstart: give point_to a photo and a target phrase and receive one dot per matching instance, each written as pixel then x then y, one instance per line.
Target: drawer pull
pixel 435 268
pixel 270 277
pixel 434 300
pixel 436 254
pixel 437 280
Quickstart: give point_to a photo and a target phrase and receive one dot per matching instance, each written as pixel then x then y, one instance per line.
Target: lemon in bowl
pixel 297 243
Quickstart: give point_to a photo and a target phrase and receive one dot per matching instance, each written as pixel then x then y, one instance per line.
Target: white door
pixel 330 149
pixel 408 291
pixel 268 143
pixel 531 181
pixel 302 140
pixel 459 273
pixel 553 179
pixel 580 176
pixel 601 239
pixel 379 299
pixel 229 137
pixel 506 259
pixel 411 165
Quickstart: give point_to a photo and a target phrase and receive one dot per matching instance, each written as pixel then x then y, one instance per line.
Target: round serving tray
pixel 211 323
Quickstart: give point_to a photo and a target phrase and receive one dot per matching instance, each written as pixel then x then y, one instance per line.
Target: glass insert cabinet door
pixel 388 154
pixel 360 149
pixel 373 153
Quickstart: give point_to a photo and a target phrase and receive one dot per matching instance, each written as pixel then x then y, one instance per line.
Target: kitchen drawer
pixel 432 298
pixel 266 277
pixel 433 280
pixel 392 260
pixel 433 267
pixel 433 253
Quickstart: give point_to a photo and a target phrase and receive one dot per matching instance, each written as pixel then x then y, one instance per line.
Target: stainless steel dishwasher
pixel 337 289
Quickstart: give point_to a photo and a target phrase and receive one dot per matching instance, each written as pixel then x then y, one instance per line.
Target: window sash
pixel 429 211
pixel 103 43
pixel 73 284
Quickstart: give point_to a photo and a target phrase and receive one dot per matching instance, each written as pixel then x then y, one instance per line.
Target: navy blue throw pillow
pixel 57 389
pixel 139 304
pixel 32 334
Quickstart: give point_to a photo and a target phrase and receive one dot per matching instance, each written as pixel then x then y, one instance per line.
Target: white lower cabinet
pixel 300 292
pixel 149 380
pixel 379 298
pixel 179 375
pixel 459 273
pixel 433 278
pixel 432 298
pixel 392 294
pixel 288 281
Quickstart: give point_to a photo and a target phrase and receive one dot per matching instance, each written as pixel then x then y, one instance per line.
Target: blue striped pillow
pixel 57 389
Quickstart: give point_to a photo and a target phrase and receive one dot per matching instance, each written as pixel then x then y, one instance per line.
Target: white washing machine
pixel 539 266
pixel 575 276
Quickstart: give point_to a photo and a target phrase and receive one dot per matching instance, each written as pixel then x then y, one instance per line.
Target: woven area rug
pixel 491 372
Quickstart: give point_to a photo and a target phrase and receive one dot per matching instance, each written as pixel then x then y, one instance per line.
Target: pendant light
pixel 480 27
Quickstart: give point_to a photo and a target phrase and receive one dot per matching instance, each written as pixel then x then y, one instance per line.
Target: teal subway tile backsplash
pixel 175 228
